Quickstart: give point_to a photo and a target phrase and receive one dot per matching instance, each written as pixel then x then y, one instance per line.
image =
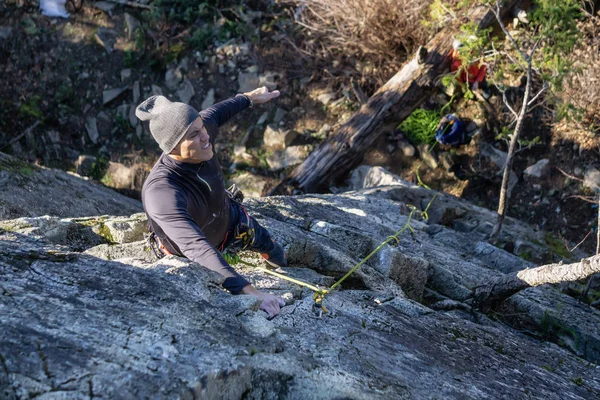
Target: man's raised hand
pixel 262 95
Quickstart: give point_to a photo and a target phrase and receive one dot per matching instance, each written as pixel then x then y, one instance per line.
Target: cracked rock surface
pixel 113 322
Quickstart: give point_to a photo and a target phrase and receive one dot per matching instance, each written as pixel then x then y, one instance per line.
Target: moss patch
pixel 557 246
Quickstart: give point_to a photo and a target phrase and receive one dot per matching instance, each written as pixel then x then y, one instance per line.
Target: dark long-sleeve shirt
pixel 187 206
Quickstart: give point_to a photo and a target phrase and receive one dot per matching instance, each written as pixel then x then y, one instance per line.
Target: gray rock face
pixel 27 191
pixel 114 322
pixel 538 170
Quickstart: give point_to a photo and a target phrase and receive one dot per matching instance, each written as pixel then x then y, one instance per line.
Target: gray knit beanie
pixel 168 120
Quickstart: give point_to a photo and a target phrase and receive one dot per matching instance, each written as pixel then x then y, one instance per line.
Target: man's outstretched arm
pixel 223 111
pixel 169 211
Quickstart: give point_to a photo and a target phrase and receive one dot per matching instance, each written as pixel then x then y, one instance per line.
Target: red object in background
pixel 475 71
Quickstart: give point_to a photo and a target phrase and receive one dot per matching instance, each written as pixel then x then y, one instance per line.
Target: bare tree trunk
pixel 503 202
pixel 489 295
pixel 344 149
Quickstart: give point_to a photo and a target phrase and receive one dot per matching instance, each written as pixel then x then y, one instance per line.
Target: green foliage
pixel 182 11
pixel 506 133
pixel 201 38
pixel 578 381
pixel 420 126
pixel 557 246
pixel 31 108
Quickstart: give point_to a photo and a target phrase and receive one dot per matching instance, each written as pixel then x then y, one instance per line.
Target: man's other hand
pixel 269 303
pixel 261 95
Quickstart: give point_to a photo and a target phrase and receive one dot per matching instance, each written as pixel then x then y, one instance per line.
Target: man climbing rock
pixel 189 211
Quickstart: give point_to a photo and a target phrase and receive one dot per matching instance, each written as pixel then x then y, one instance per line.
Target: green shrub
pixel 420 126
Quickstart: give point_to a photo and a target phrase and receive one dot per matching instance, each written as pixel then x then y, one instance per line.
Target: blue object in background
pixel 451 131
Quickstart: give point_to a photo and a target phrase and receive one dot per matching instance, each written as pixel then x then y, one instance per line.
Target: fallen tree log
pixel 344 149
pixel 489 295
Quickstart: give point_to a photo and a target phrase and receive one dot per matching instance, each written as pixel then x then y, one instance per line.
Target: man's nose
pixel 204 136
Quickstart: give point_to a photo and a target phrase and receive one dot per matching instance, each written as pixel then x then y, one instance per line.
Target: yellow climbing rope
pixel 320 293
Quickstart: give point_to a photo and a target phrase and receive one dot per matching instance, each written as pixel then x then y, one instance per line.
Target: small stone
pixel 157 90
pixel 173 78
pixel 91 127
pixel 408 150
pixel 106 38
pixel 247 81
pixel 494 156
pixel 428 156
pixel 133 120
pixel 54 136
pixel 391 148
pixel 119 176
pixel 184 64
pixel 239 150
pixel 263 118
pixel 252 69
pixel 136 92
pixel 209 100
pixel 278 138
pixel 591 179
pixel 471 127
pixel 125 74
pixel 111 94
pixel 326 98
pixel 538 170
pixel 279 114
pixel 5 32
pixel 269 79
pixel 123 111
pixel 85 164
pixel 291 156
pixel 104 6
pixel 186 91
pixel 577 171
pixel 132 24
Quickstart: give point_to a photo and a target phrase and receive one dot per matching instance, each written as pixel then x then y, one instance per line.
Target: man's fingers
pixel 281 302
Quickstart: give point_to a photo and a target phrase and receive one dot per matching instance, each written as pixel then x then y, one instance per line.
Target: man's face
pixel 195 146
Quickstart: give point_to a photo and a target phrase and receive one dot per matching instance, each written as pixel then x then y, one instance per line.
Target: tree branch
pixel 489 295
